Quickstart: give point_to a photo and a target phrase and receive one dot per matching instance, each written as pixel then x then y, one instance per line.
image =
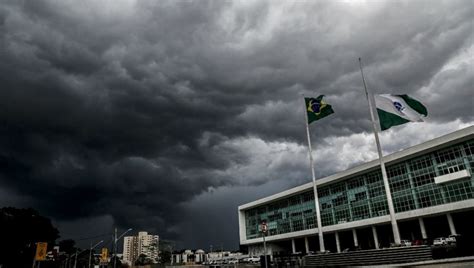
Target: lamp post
pixel 90 251
pixel 115 244
pixel 75 257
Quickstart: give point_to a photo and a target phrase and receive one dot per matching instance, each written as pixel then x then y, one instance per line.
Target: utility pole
pixel 90 251
pixel 115 248
pixel 75 257
pixel 115 244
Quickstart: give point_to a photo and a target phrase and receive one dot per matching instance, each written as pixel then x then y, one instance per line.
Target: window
pixel 291 214
pixel 355 183
pixel 404 201
pixel 363 196
pixel 360 196
pixel 341 199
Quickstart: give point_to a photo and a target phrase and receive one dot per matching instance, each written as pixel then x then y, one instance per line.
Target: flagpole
pixel 315 189
pixel 396 232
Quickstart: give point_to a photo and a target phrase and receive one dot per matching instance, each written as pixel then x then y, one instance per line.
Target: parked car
pixel 440 241
pixel 254 259
pixel 405 243
pixel 324 252
pixel 233 261
pixel 452 239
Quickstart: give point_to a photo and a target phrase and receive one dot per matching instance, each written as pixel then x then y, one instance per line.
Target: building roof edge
pixel 453 137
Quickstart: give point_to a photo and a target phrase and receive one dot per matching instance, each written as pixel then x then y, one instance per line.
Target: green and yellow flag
pixel 317 108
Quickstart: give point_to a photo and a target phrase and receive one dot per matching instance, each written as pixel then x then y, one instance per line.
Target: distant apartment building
pixel 142 244
pixel 129 249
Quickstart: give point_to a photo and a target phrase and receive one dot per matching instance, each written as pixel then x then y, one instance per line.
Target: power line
pixel 91 237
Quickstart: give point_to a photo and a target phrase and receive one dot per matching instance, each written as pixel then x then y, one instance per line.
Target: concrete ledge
pixel 411 264
pixel 453 176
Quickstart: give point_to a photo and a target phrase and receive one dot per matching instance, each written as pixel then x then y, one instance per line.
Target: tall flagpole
pixel 315 189
pixel 396 233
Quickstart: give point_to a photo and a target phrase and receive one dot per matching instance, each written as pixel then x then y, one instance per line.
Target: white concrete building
pixel 199 256
pixel 129 249
pixel 431 187
pixel 148 245
pixel 143 243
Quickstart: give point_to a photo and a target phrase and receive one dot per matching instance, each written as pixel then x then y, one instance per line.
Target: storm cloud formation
pixel 164 116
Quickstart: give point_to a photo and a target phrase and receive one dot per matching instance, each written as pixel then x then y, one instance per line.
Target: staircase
pixel 370 257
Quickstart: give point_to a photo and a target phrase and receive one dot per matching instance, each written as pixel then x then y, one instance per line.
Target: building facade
pixel 129 249
pixel 433 179
pixel 143 243
pixel 148 245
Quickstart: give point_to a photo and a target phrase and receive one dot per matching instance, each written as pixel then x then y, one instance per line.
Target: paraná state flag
pixel 396 110
pixel 316 108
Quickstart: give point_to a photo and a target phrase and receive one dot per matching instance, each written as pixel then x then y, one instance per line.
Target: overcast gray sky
pixel 165 116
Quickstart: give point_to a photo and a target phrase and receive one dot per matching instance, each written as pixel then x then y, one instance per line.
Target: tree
pixel 83 258
pixel 111 263
pixel 143 260
pixel 166 248
pixel 165 256
pixel 20 229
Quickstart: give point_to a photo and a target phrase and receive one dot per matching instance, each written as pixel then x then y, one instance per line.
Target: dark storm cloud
pixel 135 110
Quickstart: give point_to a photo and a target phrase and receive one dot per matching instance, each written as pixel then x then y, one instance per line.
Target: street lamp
pixel 90 251
pixel 75 257
pixel 115 244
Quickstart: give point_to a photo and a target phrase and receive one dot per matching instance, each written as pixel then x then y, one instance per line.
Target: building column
pixel 422 228
pixel 293 246
pixel 354 235
pixel 376 239
pixel 437 173
pixel 412 186
pixel 306 244
pixel 467 164
pixel 351 217
pixel 371 212
pixel 452 228
pixel 333 213
pixel 338 243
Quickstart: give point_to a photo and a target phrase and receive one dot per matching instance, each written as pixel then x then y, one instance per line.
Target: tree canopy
pixel 20 229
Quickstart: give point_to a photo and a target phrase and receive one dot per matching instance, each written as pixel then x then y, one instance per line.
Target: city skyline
pixel 166 116
pixel 141 244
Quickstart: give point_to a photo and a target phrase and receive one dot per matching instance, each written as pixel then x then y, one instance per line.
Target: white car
pixel 254 259
pixel 440 241
pixel 452 239
pixel 405 243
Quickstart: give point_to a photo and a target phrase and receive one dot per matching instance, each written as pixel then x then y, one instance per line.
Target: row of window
pixel 411 183
pixel 291 214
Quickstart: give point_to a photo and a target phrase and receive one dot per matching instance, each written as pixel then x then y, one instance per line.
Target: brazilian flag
pixel 317 108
